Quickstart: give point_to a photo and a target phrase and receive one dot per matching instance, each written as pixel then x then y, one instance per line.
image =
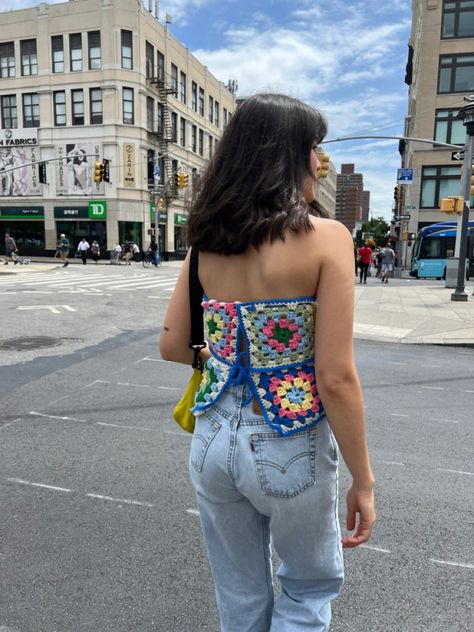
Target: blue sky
pixel 345 57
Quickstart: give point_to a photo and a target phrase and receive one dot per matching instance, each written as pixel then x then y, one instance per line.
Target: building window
pixel 127 106
pixel 75 51
pixel 150 112
pixel 95 54
pixel 174 127
pixel 194 138
pixel 217 114
pixel 201 142
pixel 174 78
pixel 149 61
pixel 182 132
pixel 9 112
pixel 201 101
pixel 160 120
pixel 456 73
pixel 59 108
pixel 29 58
pixel 77 98
pixel 160 65
pixel 458 19
pixel 226 116
pixel 194 89
pixel 448 128
pixel 57 46
pixel 96 107
pixel 31 113
pixel 127 50
pixel 7 60
pixel 438 183
pixel 211 145
pixel 182 87
pixel 211 109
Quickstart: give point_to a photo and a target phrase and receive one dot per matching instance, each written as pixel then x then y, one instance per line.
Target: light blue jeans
pixel 253 485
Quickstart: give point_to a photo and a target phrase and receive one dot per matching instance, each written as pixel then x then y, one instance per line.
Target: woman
pixel 95 251
pixel 263 459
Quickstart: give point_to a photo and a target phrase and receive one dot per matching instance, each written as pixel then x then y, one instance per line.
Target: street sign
pixel 410 207
pixel 405 176
pixel 400 217
pixel 156 172
pixel 457 155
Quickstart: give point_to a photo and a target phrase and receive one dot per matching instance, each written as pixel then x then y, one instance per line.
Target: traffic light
pixel 161 203
pixel 181 179
pixel 98 171
pixel 396 194
pixel 324 165
pixel 452 204
pixel 42 173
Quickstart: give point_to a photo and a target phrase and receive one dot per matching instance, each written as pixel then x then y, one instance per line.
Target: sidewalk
pixel 413 313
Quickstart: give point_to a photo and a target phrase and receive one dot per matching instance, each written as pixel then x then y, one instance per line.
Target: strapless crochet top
pixel 268 345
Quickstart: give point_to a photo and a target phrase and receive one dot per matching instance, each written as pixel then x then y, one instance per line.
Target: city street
pixel 99 530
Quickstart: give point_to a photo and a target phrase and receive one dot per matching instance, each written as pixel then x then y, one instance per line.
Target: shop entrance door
pixel 130 231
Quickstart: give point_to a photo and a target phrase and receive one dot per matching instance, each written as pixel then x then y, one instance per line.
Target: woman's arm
pixel 176 333
pixel 337 378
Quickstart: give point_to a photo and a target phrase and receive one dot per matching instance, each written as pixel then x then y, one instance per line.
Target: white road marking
pixel 441 469
pixel 374 548
pixel 161 297
pixel 55 401
pixel 399 363
pixel 53 487
pixel 444 421
pixel 36 414
pixel 10 423
pixel 103 423
pixel 120 500
pixel 193 512
pixel 469 391
pixel 96 382
pixel 398 415
pixel 147 359
pixel 459 564
pixel 52 308
pixel 156 387
pixel 133 385
pixel 393 463
pixel 433 366
pixel 433 388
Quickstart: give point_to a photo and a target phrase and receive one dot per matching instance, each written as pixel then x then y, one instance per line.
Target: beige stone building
pixel 90 80
pixel 325 191
pixel 440 72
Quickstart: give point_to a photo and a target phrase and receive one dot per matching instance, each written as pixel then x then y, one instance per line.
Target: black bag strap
pixel 195 298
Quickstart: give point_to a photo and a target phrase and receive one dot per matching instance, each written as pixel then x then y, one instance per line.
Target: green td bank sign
pixel 97 209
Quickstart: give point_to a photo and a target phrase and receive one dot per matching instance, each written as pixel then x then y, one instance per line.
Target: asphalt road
pixel 98 523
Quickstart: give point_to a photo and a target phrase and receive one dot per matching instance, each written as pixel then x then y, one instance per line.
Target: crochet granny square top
pixel 277 360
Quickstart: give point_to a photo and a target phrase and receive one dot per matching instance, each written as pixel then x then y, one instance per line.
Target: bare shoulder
pixel 331 232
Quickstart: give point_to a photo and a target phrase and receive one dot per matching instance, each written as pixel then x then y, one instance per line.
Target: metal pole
pixel 418 140
pixel 467 114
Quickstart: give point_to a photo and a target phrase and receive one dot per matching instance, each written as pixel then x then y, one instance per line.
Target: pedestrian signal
pixel 324 165
pixel 98 171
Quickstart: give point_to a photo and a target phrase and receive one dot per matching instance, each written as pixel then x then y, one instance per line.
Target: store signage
pixel 22 212
pixel 129 162
pixel 98 209
pixel 162 215
pixel 71 212
pixel 180 219
pixel 16 137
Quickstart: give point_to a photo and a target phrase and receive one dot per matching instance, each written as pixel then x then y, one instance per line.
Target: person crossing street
pixel 82 248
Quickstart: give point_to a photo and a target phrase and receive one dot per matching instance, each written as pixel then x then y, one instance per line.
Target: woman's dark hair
pixel 254 186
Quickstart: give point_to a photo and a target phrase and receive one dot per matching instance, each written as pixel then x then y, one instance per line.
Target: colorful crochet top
pixel 277 362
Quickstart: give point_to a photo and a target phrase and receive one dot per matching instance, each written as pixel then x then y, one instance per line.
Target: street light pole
pixel 467 116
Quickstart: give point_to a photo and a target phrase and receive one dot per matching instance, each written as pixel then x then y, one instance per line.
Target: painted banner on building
pixel 19 171
pixel 129 166
pixel 74 169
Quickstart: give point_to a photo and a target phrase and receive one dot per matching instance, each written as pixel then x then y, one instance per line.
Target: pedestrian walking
pixel 116 253
pixel 82 248
pixel 388 259
pixel 155 254
pixel 135 252
pixel 128 252
pixel 10 249
pixel 263 458
pixel 378 263
pixel 95 251
pixel 365 259
pixel 64 249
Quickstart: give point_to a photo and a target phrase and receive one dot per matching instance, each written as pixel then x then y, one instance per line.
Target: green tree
pixel 377 229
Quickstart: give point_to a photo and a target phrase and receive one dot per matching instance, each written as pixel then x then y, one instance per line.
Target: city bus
pixel 433 245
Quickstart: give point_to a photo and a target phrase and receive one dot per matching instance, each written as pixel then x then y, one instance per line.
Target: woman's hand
pixel 359 501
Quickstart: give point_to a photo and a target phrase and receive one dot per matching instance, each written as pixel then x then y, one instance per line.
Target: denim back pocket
pixel 285 465
pixel 206 428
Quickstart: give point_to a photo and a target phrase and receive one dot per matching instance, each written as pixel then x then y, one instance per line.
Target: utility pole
pixel 467 116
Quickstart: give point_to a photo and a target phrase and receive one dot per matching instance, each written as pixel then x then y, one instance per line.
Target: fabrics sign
pixel 19 170
pixel 74 169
